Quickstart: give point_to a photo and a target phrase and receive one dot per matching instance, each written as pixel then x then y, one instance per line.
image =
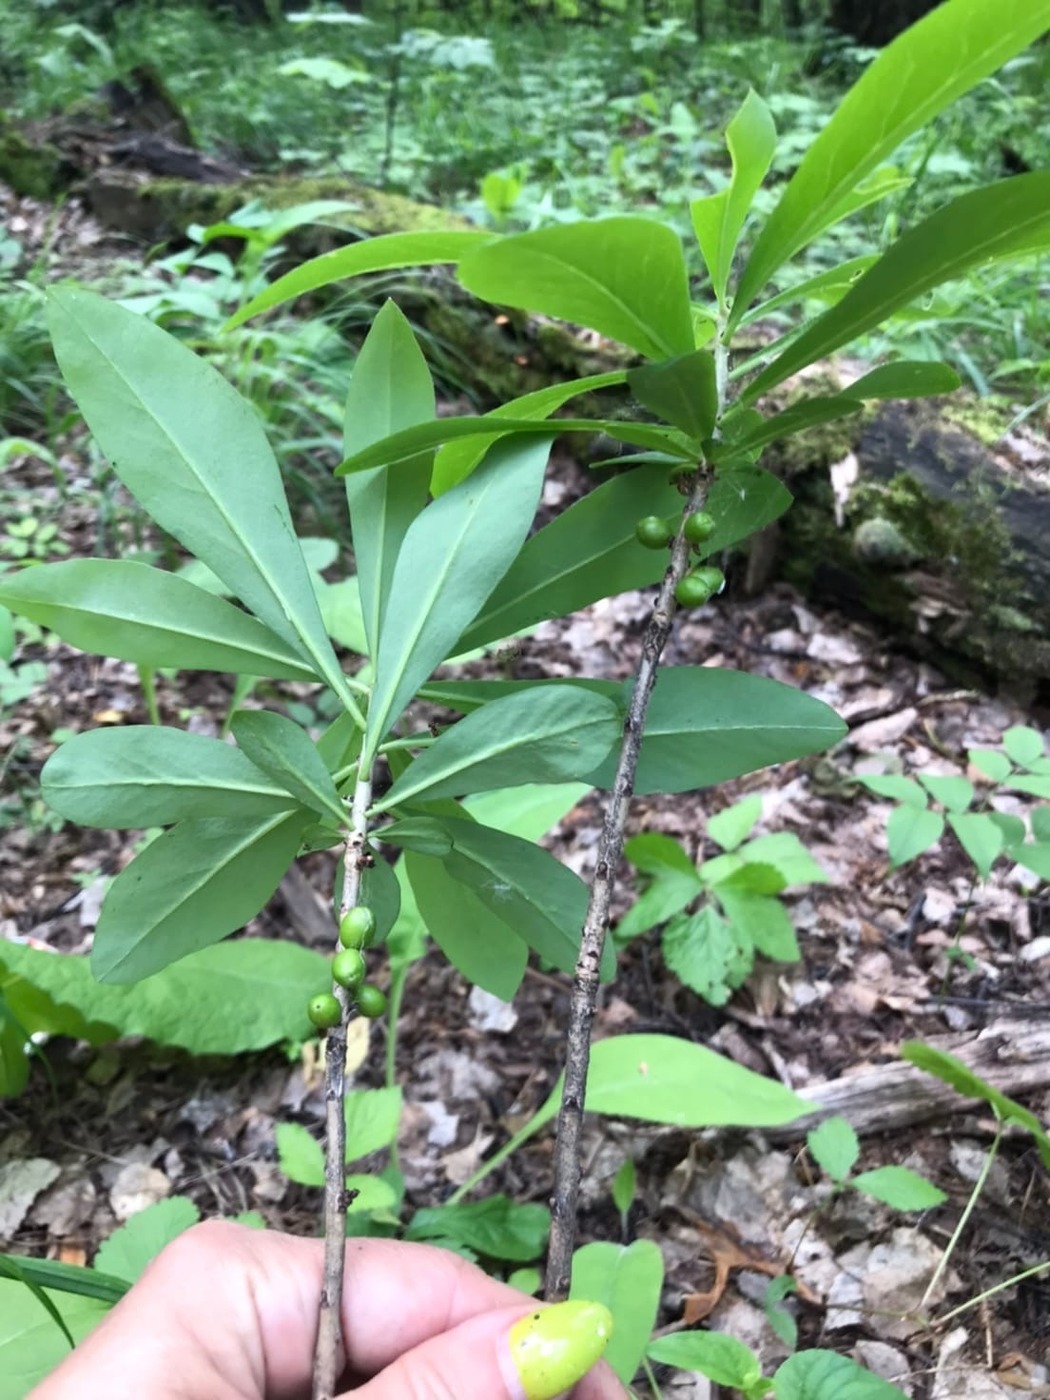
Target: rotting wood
pixel 1011 1055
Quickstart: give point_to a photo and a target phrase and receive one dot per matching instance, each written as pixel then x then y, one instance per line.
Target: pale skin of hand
pixel 229 1313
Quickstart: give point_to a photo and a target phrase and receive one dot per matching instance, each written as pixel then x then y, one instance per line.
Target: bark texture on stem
pixel 330 1354
pixel 585 983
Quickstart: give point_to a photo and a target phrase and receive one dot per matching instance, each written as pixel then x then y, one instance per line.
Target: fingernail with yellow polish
pixel 554 1347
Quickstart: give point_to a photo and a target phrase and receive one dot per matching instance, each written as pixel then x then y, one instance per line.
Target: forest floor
pixel 125 1125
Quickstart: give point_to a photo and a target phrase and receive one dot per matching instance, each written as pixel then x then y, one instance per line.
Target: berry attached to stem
pixel 371 1002
pixel 699 527
pixel 698 586
pixel 357 927
pixel 348 968
pixel 653 533
pixel 324 1011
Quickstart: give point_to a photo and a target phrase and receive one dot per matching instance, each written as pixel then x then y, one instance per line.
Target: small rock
pixel 883 733
pixel 64 1209
pixel 20 1184
pixel 1037 949
pixel 885 1361
pixel 443 1125
pixel 491 1013
pixel 136 1187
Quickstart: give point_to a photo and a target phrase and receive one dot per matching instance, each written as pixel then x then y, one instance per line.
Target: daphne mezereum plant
pixel 440 512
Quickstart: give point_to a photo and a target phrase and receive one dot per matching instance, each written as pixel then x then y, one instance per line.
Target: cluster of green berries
pixel 700 584
pixel 356 930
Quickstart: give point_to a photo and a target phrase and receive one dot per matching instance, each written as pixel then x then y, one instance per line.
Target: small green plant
pixel 718 915
pixel 834 1147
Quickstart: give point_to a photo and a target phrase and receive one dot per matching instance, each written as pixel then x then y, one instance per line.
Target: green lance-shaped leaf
pixel 827 286
pixel 546 735
pixel 278 746
pixel 195 455
pixel 390 389
pixel 471 935
pixel 682 391
pixel 796 419
pixel 452 557
pixel 905 379
pixel 242 995
pixel 1004 220
pixel 587 552
pixel 706 725
pixel 624 277
pixel 131 1248
pixel 719 219
pixel 145 775
pixel 543 901
pixel 456 460
pixel 74 1279
pixel 404 446
pixel 922 72
pixel 136 613
pixel 188 889
pixel 390 251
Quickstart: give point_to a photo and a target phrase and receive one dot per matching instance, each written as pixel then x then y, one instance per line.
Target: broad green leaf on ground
pixel 120 608
pixel 405 445
pixel 661 901
pixel 742 501
pixel 497 1227
pixel 918 75
pixel 952 791
pixel 188 889
pixel 299 1154
pixel 453 556
pixel 661 1079
pixel 961 1077
pixel 138 1242
pixel 1034 856
pixel 196 456
pixel 900 1188
pixel 785 852
pixel 543 901
pixel 719 219
pixel 14 1059
pixel 623 277
pixel 147 775
pixel 1023 744
pixel 372 1120
pixel 225 1000
pixel 587 552
pixel 682 391
pixel 834 1147
pixel 735 824
pixel 896 787
pixel 980 837
pixel 487 951
pixel 281 749
pixel 716 1355
pixel 628 1280
pixel 706 725
pixel 370 1194
pixel 910 831
pixel 390 389
pixel 457 460
pixel 545 735
pixel 823 1375
pixel 991 763
pixel 392 250
pixel 31 1345
pixel 1006 219
pixel 656 854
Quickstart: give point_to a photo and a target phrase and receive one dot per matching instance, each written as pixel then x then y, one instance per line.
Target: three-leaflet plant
pixel 441 511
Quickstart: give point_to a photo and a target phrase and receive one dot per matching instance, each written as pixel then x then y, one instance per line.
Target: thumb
pixel 503 1355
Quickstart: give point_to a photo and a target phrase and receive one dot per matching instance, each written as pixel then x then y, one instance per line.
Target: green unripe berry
pixel 357 927
pixel 371 1002
pixel 699 527
pixel 324 1011
pixel 348 968
pixel 653 533
pixel 698 586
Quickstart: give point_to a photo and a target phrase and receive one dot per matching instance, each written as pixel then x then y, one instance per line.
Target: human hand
pixel 228 1313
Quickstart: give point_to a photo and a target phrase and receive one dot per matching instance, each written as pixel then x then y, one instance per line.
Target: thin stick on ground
pixel 588 965
pixel 330 1354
